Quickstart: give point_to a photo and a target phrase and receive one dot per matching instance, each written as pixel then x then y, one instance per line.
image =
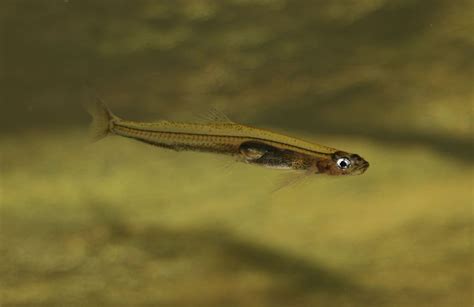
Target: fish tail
pixel 101 119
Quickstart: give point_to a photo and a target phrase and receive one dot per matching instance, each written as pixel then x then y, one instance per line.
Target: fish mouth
pixel 363 167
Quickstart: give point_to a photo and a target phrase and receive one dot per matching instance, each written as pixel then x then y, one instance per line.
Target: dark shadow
pixel 53 49
pixel 316 118
pixel 220 252
pixel 209 254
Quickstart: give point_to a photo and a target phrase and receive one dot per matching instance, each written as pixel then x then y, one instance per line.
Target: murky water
pixel 122 223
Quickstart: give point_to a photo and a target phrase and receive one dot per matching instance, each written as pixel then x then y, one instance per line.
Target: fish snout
pixel 360 162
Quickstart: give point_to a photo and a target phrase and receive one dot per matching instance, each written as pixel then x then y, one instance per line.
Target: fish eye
pixel 343 163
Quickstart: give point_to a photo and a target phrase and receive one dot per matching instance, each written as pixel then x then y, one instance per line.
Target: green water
pixel 119 223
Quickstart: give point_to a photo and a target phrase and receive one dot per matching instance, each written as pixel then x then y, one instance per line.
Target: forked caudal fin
pixel 101 117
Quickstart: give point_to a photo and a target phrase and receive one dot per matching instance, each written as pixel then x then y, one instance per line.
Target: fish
pixel 220 135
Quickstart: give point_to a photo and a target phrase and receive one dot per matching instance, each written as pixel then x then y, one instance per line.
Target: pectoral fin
pixel 291 180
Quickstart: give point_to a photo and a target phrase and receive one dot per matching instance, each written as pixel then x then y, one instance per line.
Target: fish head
pixel 343 163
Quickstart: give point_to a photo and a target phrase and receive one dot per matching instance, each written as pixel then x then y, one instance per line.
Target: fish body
pixel 222 136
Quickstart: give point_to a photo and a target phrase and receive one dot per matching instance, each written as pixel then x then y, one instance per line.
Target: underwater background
pixel 120 223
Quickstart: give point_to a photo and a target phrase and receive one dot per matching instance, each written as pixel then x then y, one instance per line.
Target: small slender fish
pixel 222 136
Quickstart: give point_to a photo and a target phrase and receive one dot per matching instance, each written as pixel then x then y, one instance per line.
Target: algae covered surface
pixel 119 223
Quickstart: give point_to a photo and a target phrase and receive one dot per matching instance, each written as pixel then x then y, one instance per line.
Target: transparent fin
pixel 291 180
pixel 214 115
pixel 225 164
pixel 101 117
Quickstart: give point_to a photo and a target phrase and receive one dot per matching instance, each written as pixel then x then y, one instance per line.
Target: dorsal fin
pixel 214 115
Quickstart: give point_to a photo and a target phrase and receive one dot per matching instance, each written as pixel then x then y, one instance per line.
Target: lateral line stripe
pixel 229 136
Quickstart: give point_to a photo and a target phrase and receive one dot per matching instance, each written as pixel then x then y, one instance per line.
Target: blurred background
pixel 119 223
